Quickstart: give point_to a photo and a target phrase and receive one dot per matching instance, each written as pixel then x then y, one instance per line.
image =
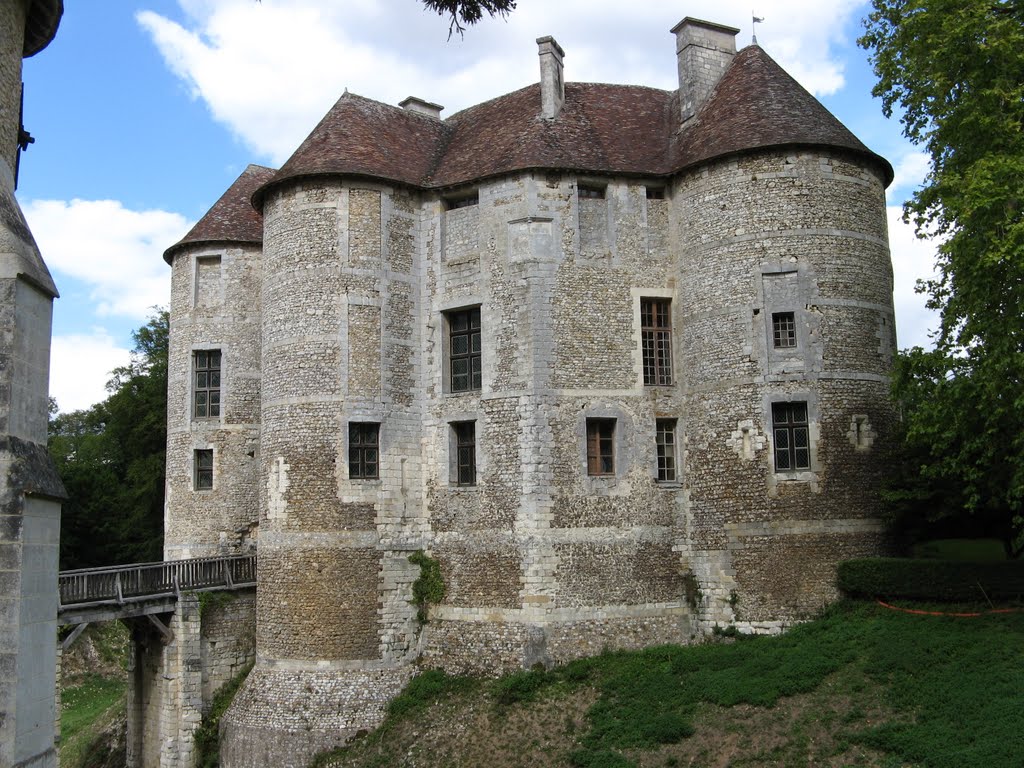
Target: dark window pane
pixel 363 441
pixel 206 383
pixel 656 341
pixel 464 349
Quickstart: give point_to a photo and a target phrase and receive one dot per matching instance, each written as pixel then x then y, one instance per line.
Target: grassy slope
pixel 861 686
pixel 93 695
pixel 88 708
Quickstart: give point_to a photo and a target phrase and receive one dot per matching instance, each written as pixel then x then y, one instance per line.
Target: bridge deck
pixel 121 591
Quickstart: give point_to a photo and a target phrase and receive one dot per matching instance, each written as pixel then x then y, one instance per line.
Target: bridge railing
pixel 141 581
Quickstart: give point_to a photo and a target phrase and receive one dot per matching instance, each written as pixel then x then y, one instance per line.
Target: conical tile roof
pixel 232 219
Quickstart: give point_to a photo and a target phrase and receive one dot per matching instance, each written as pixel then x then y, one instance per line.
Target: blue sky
pixel 144 111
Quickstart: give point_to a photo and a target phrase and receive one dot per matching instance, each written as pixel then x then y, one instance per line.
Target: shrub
pixel 933 580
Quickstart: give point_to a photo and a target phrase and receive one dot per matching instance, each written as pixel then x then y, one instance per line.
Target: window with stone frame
pixel 784 330
pixel 464 350
pixel 363 450
pixel 463 448
pixel 791 436
pixel 656 341
pixel 600 447
pixel 590 192
pixel 665 440
pixel 202 469
pixel 206 370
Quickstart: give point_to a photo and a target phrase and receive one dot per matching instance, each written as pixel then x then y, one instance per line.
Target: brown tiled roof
pixel 601 129
pixel 232 219
pixel 755 105
pixel 362 137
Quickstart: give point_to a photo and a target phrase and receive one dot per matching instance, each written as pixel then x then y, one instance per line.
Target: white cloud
pixel 270 70
pixel 912 259
pixel 910 172
pixel 114 250
pixel 80 366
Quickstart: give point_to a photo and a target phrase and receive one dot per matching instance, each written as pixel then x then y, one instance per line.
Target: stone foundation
pixel 283 718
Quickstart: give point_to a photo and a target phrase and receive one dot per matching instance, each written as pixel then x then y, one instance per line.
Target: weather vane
pixel 756 20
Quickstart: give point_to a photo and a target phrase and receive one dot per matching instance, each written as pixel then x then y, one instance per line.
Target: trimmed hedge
pixel 935 580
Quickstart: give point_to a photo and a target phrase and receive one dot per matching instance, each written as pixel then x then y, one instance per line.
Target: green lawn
pixel 862 685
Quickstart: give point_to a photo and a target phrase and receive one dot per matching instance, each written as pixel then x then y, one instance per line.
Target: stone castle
pixel 615 357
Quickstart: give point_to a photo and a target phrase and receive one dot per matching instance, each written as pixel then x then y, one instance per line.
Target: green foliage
pixel 428 589
pixel 972 550
pixel 469 12
pixel 960 678
pixel 933 580
pixel 211 601
pixel 207 736
pixel 426 688
pixel 111 458
pixel 955 69
pixel 521 687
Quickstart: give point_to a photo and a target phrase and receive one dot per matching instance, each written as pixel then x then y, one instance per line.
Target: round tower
pixel 213 388
pixel 339 456
pixel 786 339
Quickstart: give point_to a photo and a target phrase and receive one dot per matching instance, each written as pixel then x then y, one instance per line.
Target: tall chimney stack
pixel 704 51
pixel 552 85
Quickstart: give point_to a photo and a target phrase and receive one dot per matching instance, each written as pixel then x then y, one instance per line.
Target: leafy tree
pixel 111 458
pixel 955 71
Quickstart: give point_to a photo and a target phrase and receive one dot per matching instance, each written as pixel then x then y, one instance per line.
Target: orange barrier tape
pixel 974 615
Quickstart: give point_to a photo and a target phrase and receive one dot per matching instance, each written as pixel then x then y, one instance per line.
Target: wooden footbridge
pixel 145 589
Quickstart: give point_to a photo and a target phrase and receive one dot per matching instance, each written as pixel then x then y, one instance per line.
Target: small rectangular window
pixel 464 349
pixel 665 438
pixel 600 446
pixel 363 451
pixel 206 383
pixel 784 329
pixel 464 446
pixel 655 193
pixel 202 462
pixel 792 442
pixel 656 341
pixel 590 192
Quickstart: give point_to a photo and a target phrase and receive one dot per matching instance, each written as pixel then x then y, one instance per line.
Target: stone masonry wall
pixel 215 304
pixel 227 640
pixel 536 548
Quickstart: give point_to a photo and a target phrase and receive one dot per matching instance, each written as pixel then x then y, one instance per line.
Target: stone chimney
pixel 552 86
pixel 704 51
pixel 428 108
